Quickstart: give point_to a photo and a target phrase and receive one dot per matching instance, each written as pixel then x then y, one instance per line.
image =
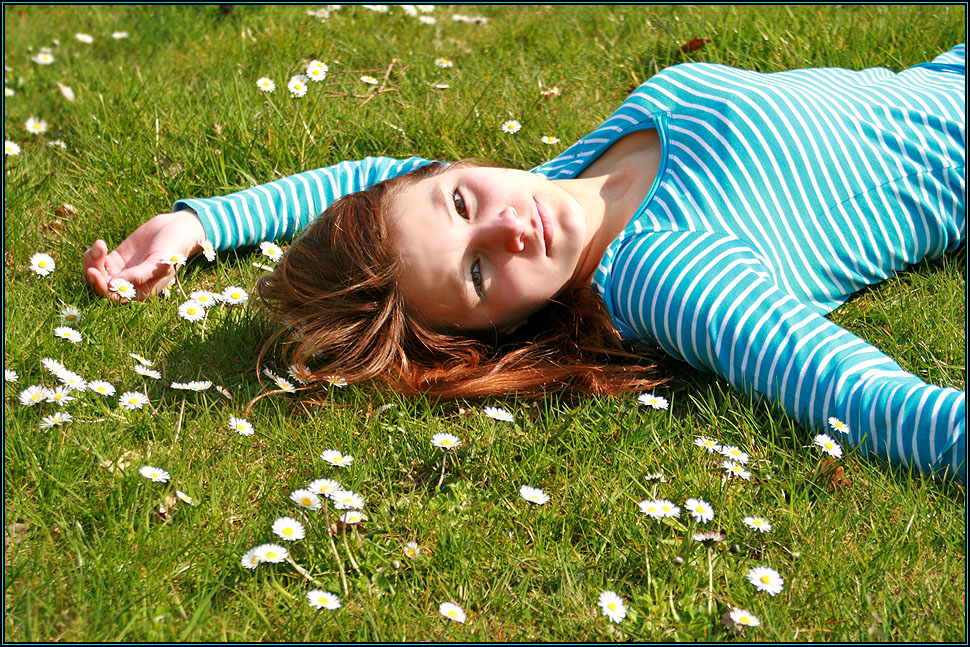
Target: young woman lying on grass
pixel 719 214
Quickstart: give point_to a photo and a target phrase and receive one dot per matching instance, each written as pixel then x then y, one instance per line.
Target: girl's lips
pixel 544 221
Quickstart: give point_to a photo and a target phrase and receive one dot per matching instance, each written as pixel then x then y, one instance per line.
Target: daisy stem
pixel 710 582
pixel 333 547
pixel 178 426
pixel 305 573
pixel 444 459
pixel 178 283
pixel 350 555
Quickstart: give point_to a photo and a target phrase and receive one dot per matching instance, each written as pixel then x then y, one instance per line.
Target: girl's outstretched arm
pixel 273 211
pixel 278 210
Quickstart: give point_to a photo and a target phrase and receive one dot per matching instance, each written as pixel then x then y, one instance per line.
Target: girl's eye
pixel 459 204
pixel 477 279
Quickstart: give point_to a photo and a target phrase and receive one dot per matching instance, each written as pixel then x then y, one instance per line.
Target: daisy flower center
pixel 765 579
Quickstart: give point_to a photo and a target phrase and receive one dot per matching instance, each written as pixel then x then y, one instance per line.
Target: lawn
pixel 143 105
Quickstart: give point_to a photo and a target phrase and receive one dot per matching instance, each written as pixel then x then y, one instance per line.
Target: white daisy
pixel 34 394
pixel 184 498
pixel 700 509
pixel 42 264
pixel 264 84
pixel 249 559
pixel 8 92
pixel 708 536
pixel 766 579
pixel 650 508
pixel 132 400
pixel 379 8
pixel 318 72
pixel 154 474
pixel 425 8
pixel 306 499
pixel 612 605
pixel 53 365
pixel 325 487
pixel 497 413
pixel 72 380
pixel 208 250
pixel 70 315
pixel 534 495
pixel 206 298
pixel 323 599
pixel 334 457
pixel 84 38
pixel 651 400
pixel 43 58
pixel 412 550
pixel 427 20
pixel 54 420
pixel 452 611
pixel 444 62
pixel 234 295
pixel 68 333
pixel 744 617
pixel 710 445
pixel 10 376
pixel 353 517
pixel 102 387
pixel 550 140
pixel 299 373
pixel 838 425
pixel 734 453
pixel 192 310
pixel 511 126
pixel 10 148
pixel 271 250
pixel 271 554
pixel 141 360
pixel 445 441
pixel 59 396
pixel 736 470
pixel 241 426
pixel 284 385
pixel 35 126
pixel 58 143
pixel 369 80
pixel 668 509
pixel 335 380
pixel 289 529
pixel 198 385
pixel 346 500
pixel 297 86
pixel 757 523
pixel 828 445
pixel 174 259
pixel 122 288
pixel 146 372
pixel 118 35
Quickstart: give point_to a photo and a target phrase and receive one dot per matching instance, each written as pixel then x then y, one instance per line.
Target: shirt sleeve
pixel 278 210
pixel 708 299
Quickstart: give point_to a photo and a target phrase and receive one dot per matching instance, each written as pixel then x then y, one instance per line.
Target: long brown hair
pixel 336 291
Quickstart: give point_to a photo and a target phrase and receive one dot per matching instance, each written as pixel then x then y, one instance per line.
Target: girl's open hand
pixel 138 257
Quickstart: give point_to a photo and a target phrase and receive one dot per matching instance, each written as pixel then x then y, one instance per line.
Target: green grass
pixel 173 112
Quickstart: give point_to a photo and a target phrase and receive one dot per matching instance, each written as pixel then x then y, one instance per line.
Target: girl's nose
pixel 504 231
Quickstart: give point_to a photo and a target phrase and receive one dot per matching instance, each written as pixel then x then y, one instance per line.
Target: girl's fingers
pixel 97 280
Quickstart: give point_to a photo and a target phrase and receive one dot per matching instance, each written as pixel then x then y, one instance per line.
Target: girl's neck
pixel 611 189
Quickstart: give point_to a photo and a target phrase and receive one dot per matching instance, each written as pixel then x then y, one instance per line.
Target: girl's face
pixel 486 247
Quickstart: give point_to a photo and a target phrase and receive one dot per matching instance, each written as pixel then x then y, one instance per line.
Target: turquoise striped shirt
pixel 779 196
